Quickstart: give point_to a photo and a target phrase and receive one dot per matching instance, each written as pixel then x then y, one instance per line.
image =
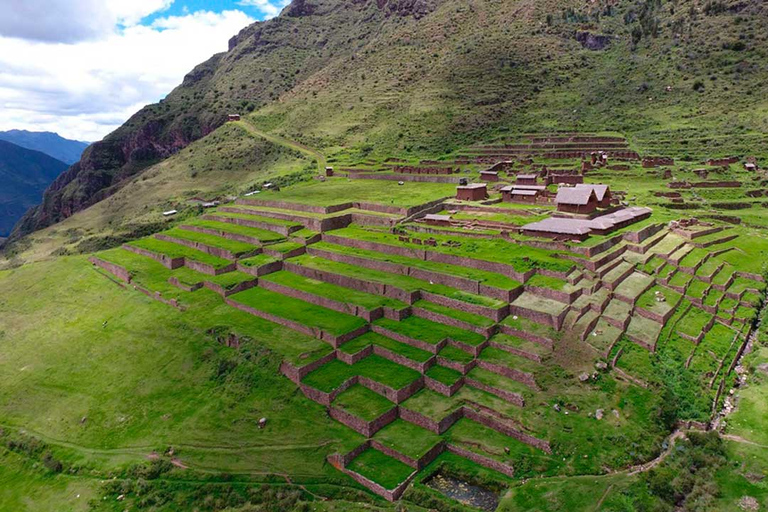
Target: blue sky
pixel 82 67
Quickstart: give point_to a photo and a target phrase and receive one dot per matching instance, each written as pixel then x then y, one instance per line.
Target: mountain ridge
pixel 25 174
pixel 52 144
pixel 402 77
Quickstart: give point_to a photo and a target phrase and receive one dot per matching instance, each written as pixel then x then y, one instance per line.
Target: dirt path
pixel 282 141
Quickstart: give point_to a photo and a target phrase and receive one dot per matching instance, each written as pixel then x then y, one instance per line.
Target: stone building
pixel 472 192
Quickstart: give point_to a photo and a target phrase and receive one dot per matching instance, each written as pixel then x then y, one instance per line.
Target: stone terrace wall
pixel 296 373
pixel 299 207
pixel 498 426
pixel 421 178
pixel 261 270
pixel 458 282
pixel 434 349
pixel 486 332
pixel 251 223
pixel 332 339
pixel 481 460
pixel 409 297
pixel 426 255
pixel 223 234
pixel 366 428
pixel 168 262
pixel 342 307
pixel 513 398
pixel 208 249
pixel 116 270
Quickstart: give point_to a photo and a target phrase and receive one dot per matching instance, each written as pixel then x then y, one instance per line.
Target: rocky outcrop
pixel 592 41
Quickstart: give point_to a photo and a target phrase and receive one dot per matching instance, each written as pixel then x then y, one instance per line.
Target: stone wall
pixel 443 389
pixel 333 339
pixel 482 460
pixel 208 249
pixel 513 398
pixel 366 428
pixel 168 262
pixel 510 373
pixel 528 336
pixel 296 373
pixel 261 270
pixel 299 207
pixel 434 349
pixel 252 223
pixel 116 270
pixel 420 178
pixel 409 297
pixel 318 300
pixel 500 426
pixel 223 234
pixel 486 332
pixel 539 317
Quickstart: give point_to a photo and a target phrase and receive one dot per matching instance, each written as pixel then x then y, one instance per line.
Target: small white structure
pixel 169 213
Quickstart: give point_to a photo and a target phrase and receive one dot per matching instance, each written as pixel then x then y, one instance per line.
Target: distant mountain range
pixel 52 144
pixel 24 175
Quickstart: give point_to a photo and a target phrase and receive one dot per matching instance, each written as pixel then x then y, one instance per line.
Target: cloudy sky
pixel 82 67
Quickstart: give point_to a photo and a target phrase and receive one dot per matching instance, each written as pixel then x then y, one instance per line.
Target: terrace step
pixel 397 286
pixel 210 244
pixel 509 365
pixel 613 279
pixel 397 352
pixel 338 298
pixel 320 322
pixel 255 221
pixel 603 337
pixel 454 317
pixel 230 231
pixel 505 388
pixel 468 280
pixel 428 335
pixel 518 346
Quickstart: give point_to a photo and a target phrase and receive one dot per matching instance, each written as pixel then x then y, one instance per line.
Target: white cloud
pixel 86 89
pixel 270 8
pixel 69 21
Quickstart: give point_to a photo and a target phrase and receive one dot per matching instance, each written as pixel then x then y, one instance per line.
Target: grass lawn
pixel 398 280
pixel 447 376
pixel 256 218
pixel 298 311
pixel 339 190
pixel 257 261
pixel 372 338
pixel 428 331
pixel 227 281
pixel 179 251
pixel 431 404
pixel 455 354
pixel 521 257
pixel 264 235
pixel 233 246
pixel 332 291
pixel 521 344
pixel 330 376
pixel 148 376
pixel 498 356
pixel 497 381
pixel 470 318
pixel 363 403
pixel 407 438
pixel 382 469
pixel 694 322
pixel 648 300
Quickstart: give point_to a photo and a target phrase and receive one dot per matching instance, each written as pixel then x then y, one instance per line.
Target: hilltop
pixel 426 77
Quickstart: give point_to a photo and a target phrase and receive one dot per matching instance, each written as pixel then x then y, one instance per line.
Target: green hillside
pixel 295 339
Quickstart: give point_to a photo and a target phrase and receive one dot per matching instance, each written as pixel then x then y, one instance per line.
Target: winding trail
pixel 249 127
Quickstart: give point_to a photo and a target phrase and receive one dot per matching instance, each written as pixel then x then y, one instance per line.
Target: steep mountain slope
pixel 24 175
pixel 427 77
pixel 52 144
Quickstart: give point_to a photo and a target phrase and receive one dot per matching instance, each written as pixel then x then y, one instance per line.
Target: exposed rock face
pixel 592 41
